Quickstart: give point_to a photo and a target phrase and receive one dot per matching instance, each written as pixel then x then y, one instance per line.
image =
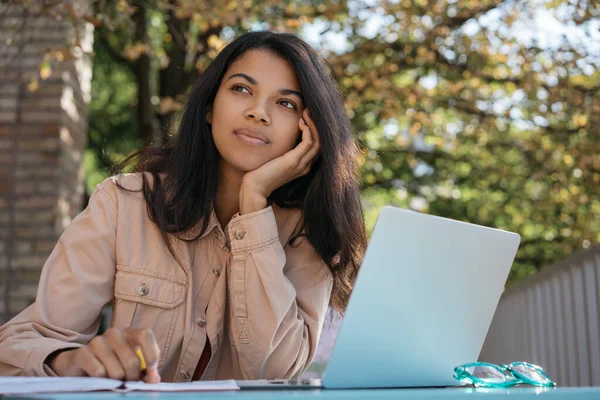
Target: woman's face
pixel 256 111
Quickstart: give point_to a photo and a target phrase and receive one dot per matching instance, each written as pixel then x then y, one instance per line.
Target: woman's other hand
pixel 112 355
pixel 258 184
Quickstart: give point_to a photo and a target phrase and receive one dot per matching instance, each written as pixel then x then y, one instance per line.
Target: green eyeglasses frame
pixel 509 371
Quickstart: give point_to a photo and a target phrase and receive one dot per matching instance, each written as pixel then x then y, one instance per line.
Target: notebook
pixel 30 385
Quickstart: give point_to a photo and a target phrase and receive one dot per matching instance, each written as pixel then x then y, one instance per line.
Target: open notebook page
pixel 29 385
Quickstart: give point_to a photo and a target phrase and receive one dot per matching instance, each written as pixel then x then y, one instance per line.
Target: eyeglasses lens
pixel 487 373
pixel 530 373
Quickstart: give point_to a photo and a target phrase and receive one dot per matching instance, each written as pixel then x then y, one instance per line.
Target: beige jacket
pixel 260 301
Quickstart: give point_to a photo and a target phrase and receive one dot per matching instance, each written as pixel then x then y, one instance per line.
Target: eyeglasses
pixel 482 374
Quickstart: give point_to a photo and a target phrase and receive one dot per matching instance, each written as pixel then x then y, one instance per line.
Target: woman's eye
pixel 244 89
pixel 240 88
pixel 289 105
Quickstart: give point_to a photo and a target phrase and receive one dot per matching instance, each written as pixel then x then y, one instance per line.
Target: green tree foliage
pixel 461 113
pixel 482 126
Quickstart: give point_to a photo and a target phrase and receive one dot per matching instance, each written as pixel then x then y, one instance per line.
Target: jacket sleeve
pixel 76 282
pixel 278 298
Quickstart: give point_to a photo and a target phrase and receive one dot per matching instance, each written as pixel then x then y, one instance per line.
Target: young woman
pixel 219 254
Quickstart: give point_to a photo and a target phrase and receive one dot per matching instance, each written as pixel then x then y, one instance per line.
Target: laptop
pixel 422 304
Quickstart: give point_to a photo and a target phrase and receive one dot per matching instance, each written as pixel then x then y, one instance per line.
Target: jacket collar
pixel 193 232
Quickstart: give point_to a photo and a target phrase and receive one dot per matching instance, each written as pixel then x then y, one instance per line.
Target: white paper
pixel 26 384
pixel 182 387
pixel 29 385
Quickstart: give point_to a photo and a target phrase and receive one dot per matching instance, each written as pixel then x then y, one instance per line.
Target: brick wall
pixel 42 136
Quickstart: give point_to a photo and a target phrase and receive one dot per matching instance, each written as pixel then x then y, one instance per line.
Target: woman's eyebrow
pixel 255 82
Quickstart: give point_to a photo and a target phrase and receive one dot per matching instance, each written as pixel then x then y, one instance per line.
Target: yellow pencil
pixel 140 355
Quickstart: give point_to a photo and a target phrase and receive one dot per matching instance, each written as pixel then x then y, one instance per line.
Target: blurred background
pixel 482 111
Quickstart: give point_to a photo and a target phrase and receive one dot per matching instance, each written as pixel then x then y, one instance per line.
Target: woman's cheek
pixel 289 145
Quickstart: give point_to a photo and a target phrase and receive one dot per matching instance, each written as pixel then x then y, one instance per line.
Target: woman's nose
pixel 258 113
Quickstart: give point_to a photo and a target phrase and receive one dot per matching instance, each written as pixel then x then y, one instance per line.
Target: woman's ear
pixel 209 116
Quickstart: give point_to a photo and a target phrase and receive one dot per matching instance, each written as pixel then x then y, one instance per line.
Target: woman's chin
pixel 245 165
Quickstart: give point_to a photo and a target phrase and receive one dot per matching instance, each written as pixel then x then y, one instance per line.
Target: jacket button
pixel 201 321
pixel 239 234
pixel 184 375
pixel 218 270
pixel 143 289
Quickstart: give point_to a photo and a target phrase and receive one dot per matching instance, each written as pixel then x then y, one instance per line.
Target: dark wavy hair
pixel 328 195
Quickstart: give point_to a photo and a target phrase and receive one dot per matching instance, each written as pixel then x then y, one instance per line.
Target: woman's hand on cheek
pixel 258 185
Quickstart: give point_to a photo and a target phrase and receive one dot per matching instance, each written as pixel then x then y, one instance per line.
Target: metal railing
pixel 552 319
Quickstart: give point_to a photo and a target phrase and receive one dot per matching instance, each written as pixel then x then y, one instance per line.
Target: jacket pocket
pixel 146 301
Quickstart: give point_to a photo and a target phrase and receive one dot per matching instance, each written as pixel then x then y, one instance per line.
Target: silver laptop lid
pixel 423 301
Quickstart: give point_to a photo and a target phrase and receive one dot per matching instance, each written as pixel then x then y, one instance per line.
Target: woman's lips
pixel 251 137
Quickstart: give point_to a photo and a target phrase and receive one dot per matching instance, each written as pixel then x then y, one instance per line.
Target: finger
pixel 87 361
pixel 306 170
pixel 127 357
pixel 306 162
pixel 146 340
pixel 307 138
pixel 308 119
pixel 104 353
pixel 310 156
pixel 311 124
pixel 314 133
pixel 306 116
pixel 294 156
pixel 303 172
